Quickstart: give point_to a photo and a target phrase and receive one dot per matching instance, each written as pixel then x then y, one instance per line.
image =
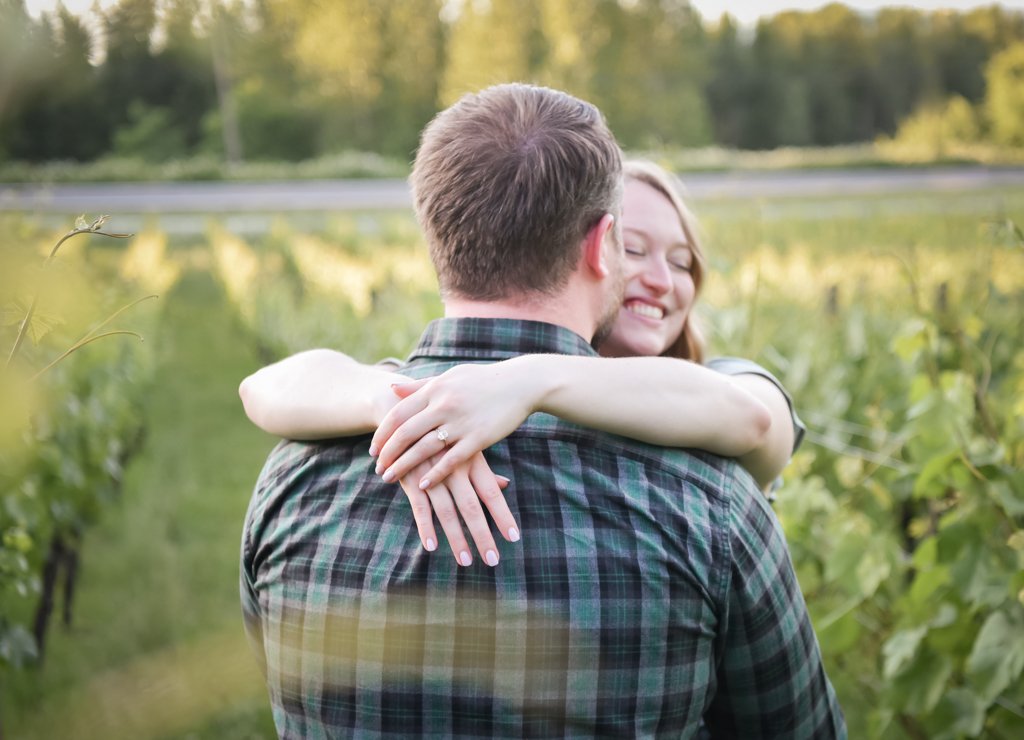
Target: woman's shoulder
pixel 739 366
pixel 742 366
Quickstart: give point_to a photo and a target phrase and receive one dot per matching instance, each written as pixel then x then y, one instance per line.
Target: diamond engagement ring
pixel 442 434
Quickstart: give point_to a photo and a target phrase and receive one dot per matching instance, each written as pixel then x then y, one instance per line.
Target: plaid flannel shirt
pixel 652 588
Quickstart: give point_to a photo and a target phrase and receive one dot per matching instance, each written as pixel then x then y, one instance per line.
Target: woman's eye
pixel 681 260
pixel 634 250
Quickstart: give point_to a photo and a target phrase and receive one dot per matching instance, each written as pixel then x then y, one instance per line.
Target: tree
pixel 489 42
pixel 904 71
pixel 960 55
pixel 149 134
pixel 778 111
pixel 572 37
pixel 369 71
pixel 1004 101
pixel 410 68
pixel 650 73
pixel 183 70
pixel 726 89
pixel 55 113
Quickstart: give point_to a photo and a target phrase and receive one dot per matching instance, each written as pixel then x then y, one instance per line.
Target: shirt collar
pixel 496 339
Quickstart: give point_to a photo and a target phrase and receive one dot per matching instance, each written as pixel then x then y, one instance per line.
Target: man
pixel 654 588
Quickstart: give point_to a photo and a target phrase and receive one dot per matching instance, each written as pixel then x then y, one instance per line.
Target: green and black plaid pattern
pixel 652 588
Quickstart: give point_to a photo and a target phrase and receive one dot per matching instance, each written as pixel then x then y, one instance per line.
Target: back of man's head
pixel 506 184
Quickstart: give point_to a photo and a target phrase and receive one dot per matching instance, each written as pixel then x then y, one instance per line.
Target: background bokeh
pixel 895 318
pixel 156 80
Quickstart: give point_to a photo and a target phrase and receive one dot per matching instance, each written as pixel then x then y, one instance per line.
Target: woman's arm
pixel 658 400
pixel 321 393
pixel 318 394
pixel 766 461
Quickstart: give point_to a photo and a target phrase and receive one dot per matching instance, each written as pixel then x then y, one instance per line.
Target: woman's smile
pixel 659 282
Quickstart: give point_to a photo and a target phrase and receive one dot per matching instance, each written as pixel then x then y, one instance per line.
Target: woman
pixel 431 440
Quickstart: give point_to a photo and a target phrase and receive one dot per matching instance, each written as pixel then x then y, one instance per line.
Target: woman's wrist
pixel 546 378
pixel 383 398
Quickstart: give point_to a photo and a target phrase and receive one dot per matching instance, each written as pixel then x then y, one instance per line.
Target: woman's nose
pixel 656 276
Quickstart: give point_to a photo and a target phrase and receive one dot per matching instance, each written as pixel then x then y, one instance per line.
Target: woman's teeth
pixel 645 309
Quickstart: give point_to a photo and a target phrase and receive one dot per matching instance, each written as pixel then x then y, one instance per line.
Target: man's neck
pixel 552 310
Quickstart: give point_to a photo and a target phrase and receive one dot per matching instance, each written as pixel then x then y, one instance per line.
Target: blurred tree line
pixel 294 79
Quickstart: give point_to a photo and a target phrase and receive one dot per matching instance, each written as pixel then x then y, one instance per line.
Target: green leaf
pixel 12 314
pixel 1011 501
pixel 927 586
pixel 946 616
pixel 959 713
pixel 925 682
pixel 841 635
pixel 873 568
pixel 930 482
pixel 926 553
pixel 17 647
pixel 979 576
pixel 17 539
pixel 911 340
pixel 41 325
pixel 1016 540
pixel 900 649
pixel 998 654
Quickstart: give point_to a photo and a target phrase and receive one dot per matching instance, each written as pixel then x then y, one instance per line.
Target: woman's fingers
pixel 457 502
pixel 416 424
pixel 459 453
pixel 406 389
pixel 422 511
pixel 421 452
pixel 488 489
pixel 468 504
pixel 448 516
pixel 396 417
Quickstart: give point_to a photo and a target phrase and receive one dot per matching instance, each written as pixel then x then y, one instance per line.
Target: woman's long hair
pixel 690 344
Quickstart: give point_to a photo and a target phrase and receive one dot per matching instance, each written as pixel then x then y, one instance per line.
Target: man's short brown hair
pixel 506 183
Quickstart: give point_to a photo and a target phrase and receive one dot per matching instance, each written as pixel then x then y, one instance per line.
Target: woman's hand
pixel 468 485
pixel 453 416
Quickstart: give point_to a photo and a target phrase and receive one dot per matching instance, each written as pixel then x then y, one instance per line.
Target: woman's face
pixel 659 283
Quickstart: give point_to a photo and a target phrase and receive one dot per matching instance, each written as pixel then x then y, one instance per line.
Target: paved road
pixel 341 195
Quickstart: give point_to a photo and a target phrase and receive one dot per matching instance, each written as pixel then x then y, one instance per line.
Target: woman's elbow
pixel 758 427
pixel 247 392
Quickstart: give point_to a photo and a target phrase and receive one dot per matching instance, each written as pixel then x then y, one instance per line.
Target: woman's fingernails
pixel 430 544
pixel 465 558
pixel 513 534
pixel 424 484
pixel 491 557
pixel 503 479
pixel 389 475
pixel 373 450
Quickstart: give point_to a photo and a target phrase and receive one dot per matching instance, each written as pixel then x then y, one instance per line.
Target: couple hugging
pixel 639 584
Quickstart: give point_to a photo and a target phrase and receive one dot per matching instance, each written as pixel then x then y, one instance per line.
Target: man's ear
pixel 595 255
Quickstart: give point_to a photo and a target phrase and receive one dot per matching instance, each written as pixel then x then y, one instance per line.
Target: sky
pixel 745 11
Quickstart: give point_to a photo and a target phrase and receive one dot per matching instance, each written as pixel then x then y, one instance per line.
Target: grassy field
pixel 837 296
pixel 157 649
pixel 369 165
